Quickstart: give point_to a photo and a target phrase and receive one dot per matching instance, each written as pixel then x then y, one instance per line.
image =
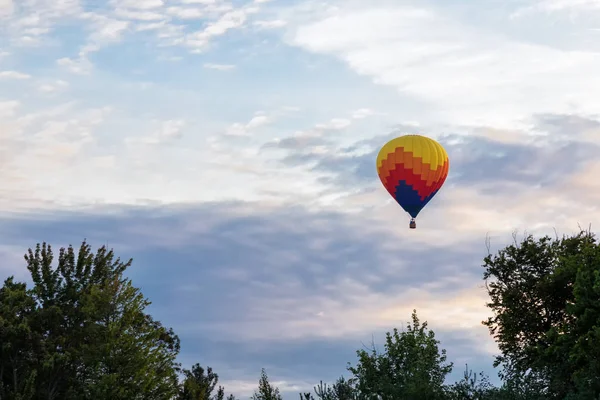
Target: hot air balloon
pixel 412 168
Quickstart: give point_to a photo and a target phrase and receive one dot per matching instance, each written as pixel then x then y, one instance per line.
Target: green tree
pixel 411 367
pixel 545 295
pixel 17 373
pixel 82 332
pixel 199 384
pixel 580 340
pixel 342 389
pixel 266 391
pixel 478 387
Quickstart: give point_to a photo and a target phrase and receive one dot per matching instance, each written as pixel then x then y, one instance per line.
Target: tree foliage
pixel 81 332
pixel 411 365
pixel 545 296
pixel 266 391
pixel 17 311
pixel 199 384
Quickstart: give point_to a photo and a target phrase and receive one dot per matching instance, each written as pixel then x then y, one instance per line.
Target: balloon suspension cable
pixel 413 223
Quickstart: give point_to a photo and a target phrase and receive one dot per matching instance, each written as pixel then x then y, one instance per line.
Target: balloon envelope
pixel 412 168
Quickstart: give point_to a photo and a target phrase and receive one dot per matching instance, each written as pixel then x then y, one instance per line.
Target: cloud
pixel 314 140
pixel 462 73
pixel 362 113
pixel 53 87
pixel 565 127
pixel 257 121
pixel 25 25
pixel 13 75
pixel 270 24
pixel 139 5
pixel 185 12
pixel 171 129
pixel 334 124
pixel 220 67
pixel 6 7
pixel 238 129
pixel 553 6
pixel 174 24
pixel 230 20
pixel 165 132
pixel 103 31
pixel 80 66
pixel 139 15
pixel 203 2
pixel 8 108
pixel 41 149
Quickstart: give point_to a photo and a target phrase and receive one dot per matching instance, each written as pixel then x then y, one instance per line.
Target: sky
pixel 229 148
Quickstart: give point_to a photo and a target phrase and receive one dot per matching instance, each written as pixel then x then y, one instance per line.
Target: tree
pixel 17 373
pixel 82 333
pixel 266 391
pixel 411 366
pixel 199 384
pixel 580 340
pixel 545 296
pixel 478 387
pixel 340 390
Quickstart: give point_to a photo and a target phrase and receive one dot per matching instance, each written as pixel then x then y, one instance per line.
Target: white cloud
pixel 46 114
pixel 170 58
pixel 140 15
pixel 353 310
pixel 257 121
pixel 362 113
pixel 230 20
pixel 220 67
pixel 109 25
pixel 138 4
pixel 464 74
pixel 334 124
pixel 164 132
pixel 13 75
pixel 27 27
pixel 152 26
pixel 238 129
pixel 204 2
pixel 8 108
pixel 171 129
pixel 309 140
pixel 106 30
pixel 270 24
pixel 185 12
pixel 6 8
pixel 53 87
pixel 42 150
pixel 549 6
pixel 80 66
